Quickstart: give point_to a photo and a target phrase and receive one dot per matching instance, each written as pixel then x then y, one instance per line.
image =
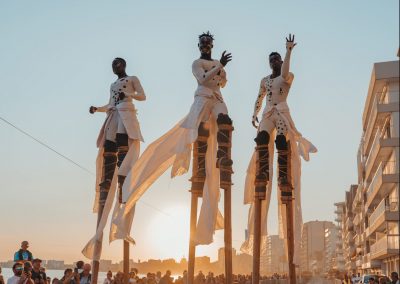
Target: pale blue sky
pixel 56 61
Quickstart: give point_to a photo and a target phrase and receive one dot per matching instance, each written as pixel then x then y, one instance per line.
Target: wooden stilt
pixel 228 235
pixel 96 263
pixel 287 198
pixel 196 192
pixel 126 261
pixel 256 240
pixel 192 245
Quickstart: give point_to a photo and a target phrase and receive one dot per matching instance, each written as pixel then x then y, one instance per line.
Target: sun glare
pixel 170 233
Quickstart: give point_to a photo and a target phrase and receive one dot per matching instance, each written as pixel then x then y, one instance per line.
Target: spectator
pixel 108 279
pixel 55 281
pixel 384 280
pixel 158 276
pixel 70 277
pixel 395 278
pixel 48 280
pixel 38 276
pixel 1 277
pixel 26 277
pixel 23 254
pixel 79 266
pixel 185 277
pixel 85 276
pixel 118 278
pixel 372 280
pixel 17 269
pixel 166 279
pixel 132 277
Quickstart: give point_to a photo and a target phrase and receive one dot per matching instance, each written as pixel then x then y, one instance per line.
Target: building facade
pixel 314 246
pixel 370 221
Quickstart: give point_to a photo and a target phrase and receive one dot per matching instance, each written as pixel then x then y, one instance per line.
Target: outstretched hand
pixel 290 44
pixel 92 109
pixel 254 120
pixel 225 58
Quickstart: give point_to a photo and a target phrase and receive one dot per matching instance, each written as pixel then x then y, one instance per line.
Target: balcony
pixel 387 210
pixel 369 263
pixel 385 247
pixel 357 219
pixel 383 181
pixel 359 261
pixel 359 240
pixel 379 112
pixel 381 149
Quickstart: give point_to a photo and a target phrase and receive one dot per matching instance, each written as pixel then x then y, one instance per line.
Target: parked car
pixel 365 278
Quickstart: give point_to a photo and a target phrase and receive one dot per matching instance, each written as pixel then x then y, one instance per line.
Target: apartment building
pixel 379 169
pixel 338 263
pixel 349 249
pixel 370 221
pixel 313 246
pixel 275 259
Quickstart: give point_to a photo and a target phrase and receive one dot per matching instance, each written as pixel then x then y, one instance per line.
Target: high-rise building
pixel 313 246
pixel 378 167
pixel 338 264
pixel 275 258
pixel 370 222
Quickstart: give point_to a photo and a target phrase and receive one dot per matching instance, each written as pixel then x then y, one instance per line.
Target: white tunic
pixel 173 149
pixel 122 111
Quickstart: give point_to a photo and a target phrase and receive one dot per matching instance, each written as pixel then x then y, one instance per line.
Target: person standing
pixel 17 270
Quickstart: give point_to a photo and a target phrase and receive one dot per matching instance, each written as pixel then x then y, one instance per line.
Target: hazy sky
pixel 56 61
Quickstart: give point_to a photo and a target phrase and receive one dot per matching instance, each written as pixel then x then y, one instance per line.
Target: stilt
pixel 96 263
pixel 126 262
pixel 228 235
pixel 256 240
pixel 196 192
pixel 287 198
pixel 192 245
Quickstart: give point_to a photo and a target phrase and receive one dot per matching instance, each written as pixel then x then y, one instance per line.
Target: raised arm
pixel 290 44
pixel 139 92
pixel 203 75
pixel 257 106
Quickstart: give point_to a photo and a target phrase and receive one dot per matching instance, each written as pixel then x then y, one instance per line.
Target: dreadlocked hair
pixel 207 35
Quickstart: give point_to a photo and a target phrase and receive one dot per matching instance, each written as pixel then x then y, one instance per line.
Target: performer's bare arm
pixel 139 92
pixel 104 108
pixel 257 106
pixel 290 44
pixel 203 75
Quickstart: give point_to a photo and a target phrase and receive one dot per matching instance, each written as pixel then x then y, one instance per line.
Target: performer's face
pixel 118 66
pixel 205 45
pixel 275 62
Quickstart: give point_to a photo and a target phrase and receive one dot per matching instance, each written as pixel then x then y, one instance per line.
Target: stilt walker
pixel 207 130
pixel 276 123
pixel 119 143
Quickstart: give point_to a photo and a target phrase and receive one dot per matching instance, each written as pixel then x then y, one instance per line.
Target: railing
pixel 373 151
pixel 380 99
pixel 386 205
pixel 385 168
pixel 386 243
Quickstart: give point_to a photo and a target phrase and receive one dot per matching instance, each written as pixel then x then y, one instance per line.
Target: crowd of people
pixel 28 270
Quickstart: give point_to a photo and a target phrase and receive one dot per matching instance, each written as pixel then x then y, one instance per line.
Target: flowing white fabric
pixel 127 113
pixel 299 147
pixel 173 149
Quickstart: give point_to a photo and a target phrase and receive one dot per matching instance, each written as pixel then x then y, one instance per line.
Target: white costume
pixel 276 120
pixel 173 149
pixel 121 118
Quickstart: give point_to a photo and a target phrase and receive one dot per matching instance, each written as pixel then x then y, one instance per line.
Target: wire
pixel 46 146
pixel 81 167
